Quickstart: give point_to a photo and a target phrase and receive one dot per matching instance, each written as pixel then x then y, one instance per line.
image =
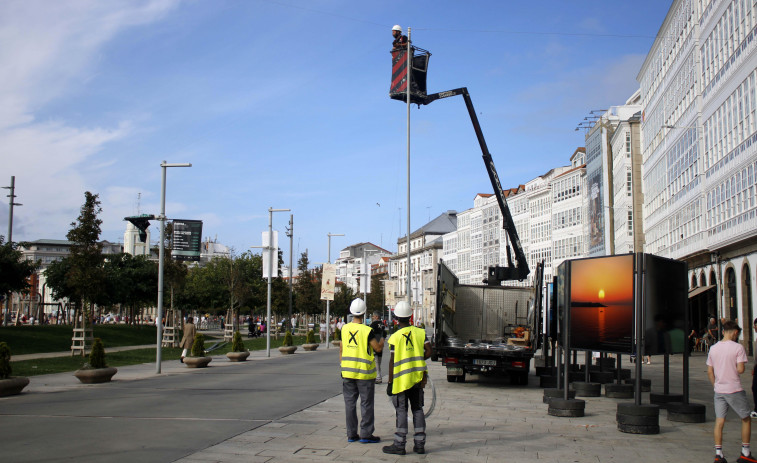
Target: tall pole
pixel 268 297
pixel 290 234
pixel 328 306
pixel 9 238
pixel 409 74
pixel 270 275
pixel 161 256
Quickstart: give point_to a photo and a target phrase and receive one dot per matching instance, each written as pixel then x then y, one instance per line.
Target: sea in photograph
pixel 601 328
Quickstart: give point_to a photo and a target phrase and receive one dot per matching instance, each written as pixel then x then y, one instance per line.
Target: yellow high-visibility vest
pixel 357 354
pixel 409 364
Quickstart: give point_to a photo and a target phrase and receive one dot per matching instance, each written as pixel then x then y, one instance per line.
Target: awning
pixel 700 290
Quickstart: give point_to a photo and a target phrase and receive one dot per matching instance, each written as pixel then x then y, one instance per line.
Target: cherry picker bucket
pixel 419 68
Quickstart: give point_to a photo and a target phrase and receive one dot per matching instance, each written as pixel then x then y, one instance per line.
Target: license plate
pixel 454 371
pixel 491 363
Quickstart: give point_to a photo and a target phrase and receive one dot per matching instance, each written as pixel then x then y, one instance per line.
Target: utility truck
pixel 485 329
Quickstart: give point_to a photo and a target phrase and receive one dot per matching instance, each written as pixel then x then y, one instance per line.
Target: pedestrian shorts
pixel 736 401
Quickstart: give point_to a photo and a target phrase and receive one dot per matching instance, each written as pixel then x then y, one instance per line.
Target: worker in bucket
pixel 407 377
pixel 356 355
pixel 400 41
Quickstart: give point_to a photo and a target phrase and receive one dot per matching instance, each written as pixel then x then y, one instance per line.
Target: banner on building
pixel 365 277
pixel 389 293
pixel 270 256
pixel 328 282
pixel 187 237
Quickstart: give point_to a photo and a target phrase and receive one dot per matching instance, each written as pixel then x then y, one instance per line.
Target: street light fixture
pixel 328 306
pixel 270 249
pixel 161 253
pixel 9 238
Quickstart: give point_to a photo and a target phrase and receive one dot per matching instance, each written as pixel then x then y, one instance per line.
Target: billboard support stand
pixel 639 313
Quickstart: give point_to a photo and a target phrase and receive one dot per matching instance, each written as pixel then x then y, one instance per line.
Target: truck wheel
pixel 451 379
pixel 461 378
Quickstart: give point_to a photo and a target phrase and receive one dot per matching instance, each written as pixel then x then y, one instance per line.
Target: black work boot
pixel 419 449
pixel 394 449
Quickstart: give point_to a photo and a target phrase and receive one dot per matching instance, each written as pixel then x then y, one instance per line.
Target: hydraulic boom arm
pixel 497 274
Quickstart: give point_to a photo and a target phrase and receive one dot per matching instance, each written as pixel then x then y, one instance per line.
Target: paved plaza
pixel 291 409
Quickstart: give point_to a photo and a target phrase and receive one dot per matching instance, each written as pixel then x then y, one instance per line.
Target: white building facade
pixel 698 89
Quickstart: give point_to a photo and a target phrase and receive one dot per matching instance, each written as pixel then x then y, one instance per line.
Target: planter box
pixel 13 385
pixel 236 356
pixel 287 350
pixel 95 375
pixel 197 362
pixel 310 347
pixel 336 343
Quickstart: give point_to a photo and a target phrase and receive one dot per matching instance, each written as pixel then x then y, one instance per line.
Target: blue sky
pixel 285 104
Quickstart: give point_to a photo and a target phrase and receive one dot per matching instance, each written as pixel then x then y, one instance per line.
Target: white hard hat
pixel 402 310
pixel 397 28
pixel 358 307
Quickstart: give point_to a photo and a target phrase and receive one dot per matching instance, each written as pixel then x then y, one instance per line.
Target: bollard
pixel 686 413
pixel 554 393
pixel 638 419
pixel 566 408
pixel 584 389
pixel 619 391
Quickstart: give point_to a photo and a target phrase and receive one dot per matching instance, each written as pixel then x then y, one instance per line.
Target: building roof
pixel 366 243
pixel 446 222
pixel 582 166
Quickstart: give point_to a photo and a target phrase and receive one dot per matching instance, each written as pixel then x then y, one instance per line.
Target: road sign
pixel 187 237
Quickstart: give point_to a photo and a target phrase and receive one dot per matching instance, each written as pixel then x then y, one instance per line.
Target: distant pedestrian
pixel 379 331
pixel 754 377
pixel 725 362
pixel 407 378
pixel 188 338
pixel 359 374
pixel 322 332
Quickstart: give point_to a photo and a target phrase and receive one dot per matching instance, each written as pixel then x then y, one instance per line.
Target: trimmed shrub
pixel 5 361
pixel 236 343
pixel 97 356
pixel 310 338
pixel 288 338
pixel 198 346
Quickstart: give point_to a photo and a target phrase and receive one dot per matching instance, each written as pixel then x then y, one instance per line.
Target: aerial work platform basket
pixel 419 67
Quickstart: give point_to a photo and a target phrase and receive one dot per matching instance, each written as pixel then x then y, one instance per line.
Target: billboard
pixel 601 296
pixel 328 280
pixel 665 303
pixel 187 237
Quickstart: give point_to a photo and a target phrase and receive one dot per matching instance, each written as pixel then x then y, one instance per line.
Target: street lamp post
pixel 328 306
pixel 367 277
pixel 270 274
pixel 9 238
pixel 161 253
pixel 290 234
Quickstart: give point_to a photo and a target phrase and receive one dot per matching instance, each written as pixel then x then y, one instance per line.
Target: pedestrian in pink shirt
pixel 725 362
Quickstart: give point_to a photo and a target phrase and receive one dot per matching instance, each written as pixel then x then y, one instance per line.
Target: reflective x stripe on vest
pixel 357 355
pixel 409 364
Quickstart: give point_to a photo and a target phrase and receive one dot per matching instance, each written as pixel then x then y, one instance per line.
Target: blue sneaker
pixel 353 438
pixel 370 440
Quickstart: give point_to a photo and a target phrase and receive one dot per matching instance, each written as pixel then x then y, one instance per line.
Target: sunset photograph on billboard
pixel 601 304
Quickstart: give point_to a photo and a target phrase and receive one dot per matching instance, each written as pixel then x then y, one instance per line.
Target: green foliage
pixel 14 269
pixel 343 296
pixel 310 338
pixel 337 334
pixel 198 346
pixel 376 301
pixel 97 356
pixel 5 361
pixel 307 289
pixel 288 338
pixel 86 275
pixel 131 280
pixel 236 344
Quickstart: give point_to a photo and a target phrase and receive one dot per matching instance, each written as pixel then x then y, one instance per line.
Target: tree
pixel 86 276
pixel 279 290
pixel 307 295
pixel 131 281
pixel 343 296
pixel 14 269
pixel 376 301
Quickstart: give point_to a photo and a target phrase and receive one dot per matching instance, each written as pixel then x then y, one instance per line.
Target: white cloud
pixel 47 49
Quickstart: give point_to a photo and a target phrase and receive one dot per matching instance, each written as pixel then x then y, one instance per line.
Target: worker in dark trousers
pixel 407 378
pixel 356 356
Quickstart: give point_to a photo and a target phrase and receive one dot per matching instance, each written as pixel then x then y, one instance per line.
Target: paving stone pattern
pixel 489 420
